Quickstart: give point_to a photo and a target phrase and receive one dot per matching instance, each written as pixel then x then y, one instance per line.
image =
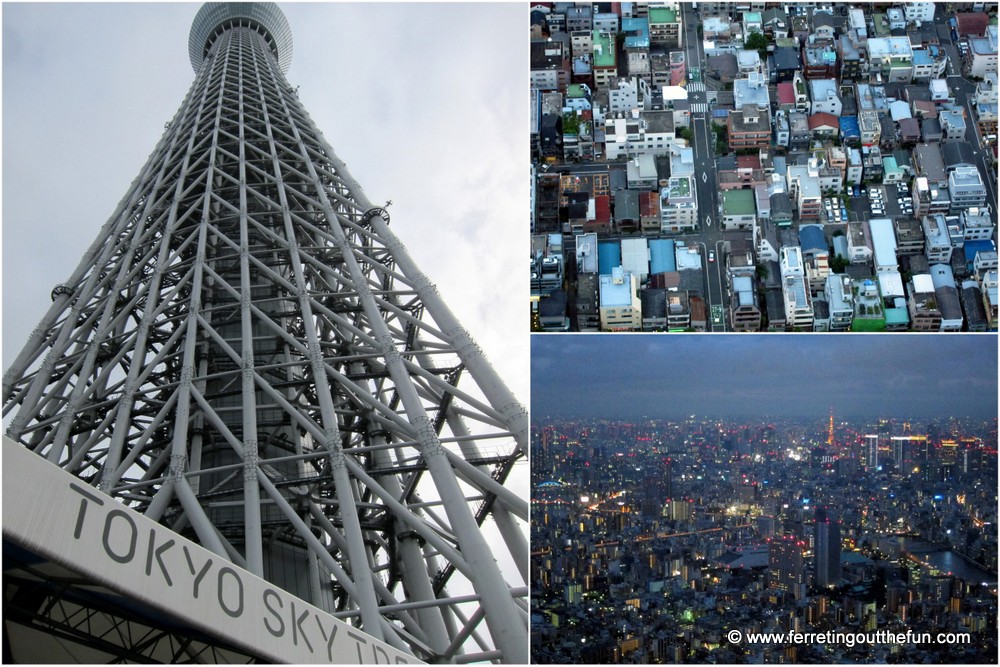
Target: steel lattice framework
pixel 248 355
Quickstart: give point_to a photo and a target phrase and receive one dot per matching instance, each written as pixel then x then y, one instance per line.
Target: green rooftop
pixel 574 90
pixel 889 165
pixel 604 49
pixel 680 187
pixel 896 316
pixel 868 325
pixel 738 202
pixel 662 15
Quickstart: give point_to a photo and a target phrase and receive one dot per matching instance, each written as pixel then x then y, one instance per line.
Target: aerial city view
pixel 764 166
pixel 764 499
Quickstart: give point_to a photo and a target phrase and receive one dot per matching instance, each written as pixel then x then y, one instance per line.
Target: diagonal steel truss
pixel 247 354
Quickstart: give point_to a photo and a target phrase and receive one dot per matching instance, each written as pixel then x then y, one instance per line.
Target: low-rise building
pixel 605 60
pixel 883 245
pixel 972 306
pixel 893 294
pixel 665 27
pixel 966 188
pixel 648 133
pixel 626 95
pixel 550 65
pixel 982 56
pixel 650 222
pixel 929 199
pixel 635 257
pixel 870 127
pixel 795 295
pixel 805 190
pixel 859 242
pixel 744 311
pixel 988 284
pixel 678 68
pixel 678 310
pixel 825 97
pixel 953 125
pixel 977 223
pixel 752 90
pixel 641 172
pixel 735 172
pixel 892 57
pixel 749 127
pixel 621 309
pixel 588 316
pixel 909 237
pixel 654 308
pixel 937 241
pixel 679 206
pixel 839 294
pixel 552 312
pixel 586 253
pixel 922 304
pixel 948 300
pixel 738 209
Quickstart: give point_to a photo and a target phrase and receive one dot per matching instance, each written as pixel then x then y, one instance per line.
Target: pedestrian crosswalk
pixel 699 107
pixel 695 87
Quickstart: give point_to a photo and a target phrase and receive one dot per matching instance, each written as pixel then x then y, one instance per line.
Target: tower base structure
pixel 87 579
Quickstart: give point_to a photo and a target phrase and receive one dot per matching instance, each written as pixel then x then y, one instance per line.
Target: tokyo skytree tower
pixel 248 356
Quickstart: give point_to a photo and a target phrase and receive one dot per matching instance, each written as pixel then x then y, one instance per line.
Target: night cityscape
pixel 655 538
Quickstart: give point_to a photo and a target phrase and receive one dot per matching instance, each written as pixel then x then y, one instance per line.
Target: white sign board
pixel 51 513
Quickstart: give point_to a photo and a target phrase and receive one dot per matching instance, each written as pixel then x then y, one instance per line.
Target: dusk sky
pixel 630 376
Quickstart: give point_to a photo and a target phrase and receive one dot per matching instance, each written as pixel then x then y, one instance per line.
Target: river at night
pixel 949 562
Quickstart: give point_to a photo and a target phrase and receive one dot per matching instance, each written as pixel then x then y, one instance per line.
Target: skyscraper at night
pixel 827 565
pixel 249 372
pixel 787 565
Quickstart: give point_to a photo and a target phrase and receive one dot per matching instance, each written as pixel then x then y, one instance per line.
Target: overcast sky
pixel 427 105
pixel 627 376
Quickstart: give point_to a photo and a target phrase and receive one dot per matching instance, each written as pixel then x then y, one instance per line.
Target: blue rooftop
pixel 849 127
pixel 973 248
pixel 840 246
pixel 636 33
pixel 811 238
pixel 661 256
pixel 609 256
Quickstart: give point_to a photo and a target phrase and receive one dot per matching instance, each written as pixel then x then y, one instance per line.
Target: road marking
pixel 708 220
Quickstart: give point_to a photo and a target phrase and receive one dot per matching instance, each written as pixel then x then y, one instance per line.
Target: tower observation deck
pixel 251 369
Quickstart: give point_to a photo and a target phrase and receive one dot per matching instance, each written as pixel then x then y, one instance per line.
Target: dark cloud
pixel 778 375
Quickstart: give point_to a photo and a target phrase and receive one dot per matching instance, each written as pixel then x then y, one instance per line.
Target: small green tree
pixel 757 42
pixel 571 123
pixel 838 264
